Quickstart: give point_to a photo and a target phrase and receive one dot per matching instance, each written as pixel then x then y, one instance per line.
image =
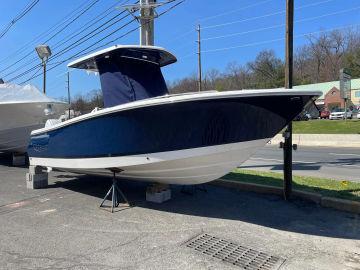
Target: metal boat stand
pixel 116 194
pixel 192 189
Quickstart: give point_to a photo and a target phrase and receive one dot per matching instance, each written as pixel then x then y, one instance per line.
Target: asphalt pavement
pixel 329 162
pixel 62 227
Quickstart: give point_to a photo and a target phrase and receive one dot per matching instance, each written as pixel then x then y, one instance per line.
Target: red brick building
pixel 333 100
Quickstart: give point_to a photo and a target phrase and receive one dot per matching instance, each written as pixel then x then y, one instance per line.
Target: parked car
pixel 324 114
pixel 302 117
pixel 357 114
pixel 340 114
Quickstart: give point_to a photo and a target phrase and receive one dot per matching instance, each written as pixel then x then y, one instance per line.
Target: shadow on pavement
pixel 5 159
pixel 220 203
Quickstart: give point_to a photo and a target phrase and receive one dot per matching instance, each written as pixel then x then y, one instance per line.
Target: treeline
pixel 318 61
pixel 86 103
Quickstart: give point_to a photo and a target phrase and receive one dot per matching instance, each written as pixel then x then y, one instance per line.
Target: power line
pixel 76 32
pixel 81 53
pixel 27 9
pixel 35 74
pixel 93 22
pixel 278 39
pixel 263 16
pixel 234 11
pixel 53 28
pixel 85 52
pixel 62 52
pixel 57 55
pixel 282 25
pixel 59 31
pixel 214 16
pixel 78 42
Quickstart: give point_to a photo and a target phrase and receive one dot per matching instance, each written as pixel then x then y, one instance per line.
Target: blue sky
pixel 233 31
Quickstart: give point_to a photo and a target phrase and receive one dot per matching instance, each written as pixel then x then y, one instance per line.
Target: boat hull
pixel 19 119
pixel 174 140
pixel 183 167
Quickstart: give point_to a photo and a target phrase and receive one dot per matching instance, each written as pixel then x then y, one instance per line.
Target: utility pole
pixel 68 90
pixel 147 15
pixel 199 58
pixel 44 75
pixel 287 147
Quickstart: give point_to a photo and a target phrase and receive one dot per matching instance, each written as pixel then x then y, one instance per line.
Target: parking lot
pixel 62 227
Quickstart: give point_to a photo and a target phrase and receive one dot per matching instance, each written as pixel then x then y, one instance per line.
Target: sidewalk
pixel 325 140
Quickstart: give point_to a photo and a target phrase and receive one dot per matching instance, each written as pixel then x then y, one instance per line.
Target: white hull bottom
pixel 183 167
pixel 16 139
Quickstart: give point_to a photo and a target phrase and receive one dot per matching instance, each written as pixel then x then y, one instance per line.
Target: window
pixel 357 94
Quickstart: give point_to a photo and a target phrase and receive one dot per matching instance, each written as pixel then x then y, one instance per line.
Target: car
pixel 302 117
pixel 324 114
pixel 340 114
pixel 356 113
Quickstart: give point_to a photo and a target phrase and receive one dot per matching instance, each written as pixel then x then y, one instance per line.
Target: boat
pixel 144 133
pixel 23 109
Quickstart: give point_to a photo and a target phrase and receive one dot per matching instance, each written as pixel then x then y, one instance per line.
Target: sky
pixel 231 31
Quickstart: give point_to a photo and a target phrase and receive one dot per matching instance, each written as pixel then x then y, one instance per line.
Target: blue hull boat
pixel 149 135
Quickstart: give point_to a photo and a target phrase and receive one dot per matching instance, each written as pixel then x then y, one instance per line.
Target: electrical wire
pixel 53 28
pixel 81 29
pixel 73 45
pixel 234 11
pixel 34 75
pixel 27 9
pixel 58 32
pixel 262 16
pixel 281 25
pixel 85 51
pixel 279 39
pixel 57 55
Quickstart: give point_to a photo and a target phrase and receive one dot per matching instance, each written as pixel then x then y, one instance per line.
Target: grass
pixel 326 187
pixel 327 127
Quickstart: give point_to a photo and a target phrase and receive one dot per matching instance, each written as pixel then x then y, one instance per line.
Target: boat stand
pixel 116 195
pixel 192 189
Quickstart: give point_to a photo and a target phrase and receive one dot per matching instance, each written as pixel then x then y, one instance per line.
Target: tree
pixel 268 70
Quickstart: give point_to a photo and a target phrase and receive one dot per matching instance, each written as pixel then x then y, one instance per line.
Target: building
pixel 330 97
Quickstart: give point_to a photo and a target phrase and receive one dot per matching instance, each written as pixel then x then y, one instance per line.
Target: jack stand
pixel 191 190
pixel 116 195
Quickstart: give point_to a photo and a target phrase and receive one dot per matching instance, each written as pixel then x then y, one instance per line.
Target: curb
pixel 328 202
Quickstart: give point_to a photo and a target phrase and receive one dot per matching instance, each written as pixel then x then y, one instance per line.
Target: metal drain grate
pixel 238 255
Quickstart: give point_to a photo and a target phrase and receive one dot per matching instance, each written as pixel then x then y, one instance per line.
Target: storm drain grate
pixel 238 255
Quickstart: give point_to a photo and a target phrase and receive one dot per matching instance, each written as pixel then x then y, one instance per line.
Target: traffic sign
pixel 345 83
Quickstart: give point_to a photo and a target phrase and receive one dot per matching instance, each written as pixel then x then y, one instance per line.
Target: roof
pixel 152 54
pixel 327 86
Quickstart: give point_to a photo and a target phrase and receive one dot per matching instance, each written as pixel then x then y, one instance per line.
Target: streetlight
pixel 44 53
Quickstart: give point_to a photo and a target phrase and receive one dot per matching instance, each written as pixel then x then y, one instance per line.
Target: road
pixel 62 227
pixel 328 162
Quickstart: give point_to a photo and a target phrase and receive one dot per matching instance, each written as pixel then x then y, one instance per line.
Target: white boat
pixel 23 109
pixel 148 135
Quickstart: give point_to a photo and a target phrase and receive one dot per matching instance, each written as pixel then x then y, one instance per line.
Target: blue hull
pixel 170 127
